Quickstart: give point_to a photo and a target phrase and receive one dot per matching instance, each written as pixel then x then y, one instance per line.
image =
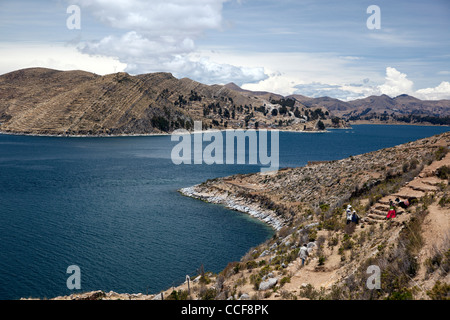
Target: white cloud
pixel 161 37
pixel 442 91
pixel 396 83
pixel 179 18
pixel 206 71
pixel 58 56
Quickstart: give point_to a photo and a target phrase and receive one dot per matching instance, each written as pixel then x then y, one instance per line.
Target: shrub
pixel 251 265
pixel 285 280
pixel 255 279
pixel 161 123
pixel 441 152
pixel 440 291
pixel 405 167
pixel 178 295
pixel 347 242
pixel 264 270
pixel 320 125
pixel 443 172
pixel 231 269
pixel 309 292
pixel 445 200
pixel 321 260
pixel 333 241
pixel 312 234
pixel 207 294
pixel 413 164
pixel 403 294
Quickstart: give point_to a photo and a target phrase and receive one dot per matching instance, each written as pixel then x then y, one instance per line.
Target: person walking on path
pixel 303 254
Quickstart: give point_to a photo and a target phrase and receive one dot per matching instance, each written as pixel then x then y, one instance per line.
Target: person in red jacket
pixel 391 212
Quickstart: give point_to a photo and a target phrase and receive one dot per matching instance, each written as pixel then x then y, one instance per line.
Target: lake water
pixel 111 207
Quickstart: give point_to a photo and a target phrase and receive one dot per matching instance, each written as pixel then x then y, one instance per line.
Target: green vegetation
pixel 443 172
pixel 178 295
pixel 440 153
pixel 320 125
pixel 440 291
pixel 161 123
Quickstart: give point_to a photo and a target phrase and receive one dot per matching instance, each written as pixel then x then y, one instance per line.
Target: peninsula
pixel 307 206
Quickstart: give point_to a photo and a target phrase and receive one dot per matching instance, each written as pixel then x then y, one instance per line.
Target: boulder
pixel 94 295
pixel 268 284
pixel 244 296
pixel 264 253
pixel 311 245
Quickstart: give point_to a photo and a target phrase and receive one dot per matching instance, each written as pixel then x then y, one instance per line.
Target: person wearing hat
pixel 349 214
pixel 355 217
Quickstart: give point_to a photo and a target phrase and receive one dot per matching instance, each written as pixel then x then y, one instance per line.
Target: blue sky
pixel 309 47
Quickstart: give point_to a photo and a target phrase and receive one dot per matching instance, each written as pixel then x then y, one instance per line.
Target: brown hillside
pixel 44 101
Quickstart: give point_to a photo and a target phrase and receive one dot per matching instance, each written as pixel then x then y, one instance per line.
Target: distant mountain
pixel 261 94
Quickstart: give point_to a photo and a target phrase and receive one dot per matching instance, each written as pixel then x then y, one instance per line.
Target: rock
pixel 244 296
pixel 311 225
pixel 221 296
pixel 270 283
pixel 95 295
pixel 264 253
pixel 157 297
pixel 311 245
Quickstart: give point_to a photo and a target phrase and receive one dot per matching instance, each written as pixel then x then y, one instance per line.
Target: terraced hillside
pixel 45 101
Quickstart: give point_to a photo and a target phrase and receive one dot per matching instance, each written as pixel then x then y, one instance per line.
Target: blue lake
pixel 111 207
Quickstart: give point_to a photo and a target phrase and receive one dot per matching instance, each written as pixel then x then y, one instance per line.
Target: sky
pixel 341 49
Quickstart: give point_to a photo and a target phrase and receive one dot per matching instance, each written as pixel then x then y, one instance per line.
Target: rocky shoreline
pixel 60 135
pixel 233 202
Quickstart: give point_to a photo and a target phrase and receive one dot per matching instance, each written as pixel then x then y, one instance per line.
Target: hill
pixel 384 109
pixel 51 102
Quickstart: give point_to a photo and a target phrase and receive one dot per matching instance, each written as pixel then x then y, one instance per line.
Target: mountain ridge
pixel 53 102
